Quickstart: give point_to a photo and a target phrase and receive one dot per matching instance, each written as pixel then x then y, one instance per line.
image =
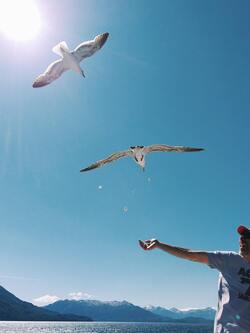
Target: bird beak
pixel 83 74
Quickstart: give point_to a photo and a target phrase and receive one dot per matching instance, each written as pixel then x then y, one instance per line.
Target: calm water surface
pixel 52 327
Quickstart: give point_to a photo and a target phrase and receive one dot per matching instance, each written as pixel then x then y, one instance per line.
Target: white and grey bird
pixel 138 153
pixel 69 59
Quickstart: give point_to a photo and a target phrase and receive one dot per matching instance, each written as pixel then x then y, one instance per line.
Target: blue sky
pixel 173 72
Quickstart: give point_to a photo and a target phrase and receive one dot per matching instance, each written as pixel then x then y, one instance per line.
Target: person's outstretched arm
pixel 198 256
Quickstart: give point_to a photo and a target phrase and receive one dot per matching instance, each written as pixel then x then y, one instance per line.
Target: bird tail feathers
pixel 60 48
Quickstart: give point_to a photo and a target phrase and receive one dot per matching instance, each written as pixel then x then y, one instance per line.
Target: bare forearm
pixel 198 256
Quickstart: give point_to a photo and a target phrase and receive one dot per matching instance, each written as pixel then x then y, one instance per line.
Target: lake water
pixel 100 327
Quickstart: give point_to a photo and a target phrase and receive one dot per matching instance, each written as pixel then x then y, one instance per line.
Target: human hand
pixel 149 244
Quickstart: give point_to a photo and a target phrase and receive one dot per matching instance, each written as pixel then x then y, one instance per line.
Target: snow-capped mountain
pixel 174 313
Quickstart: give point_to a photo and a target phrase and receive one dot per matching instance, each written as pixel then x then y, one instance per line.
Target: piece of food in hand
pixel 148 244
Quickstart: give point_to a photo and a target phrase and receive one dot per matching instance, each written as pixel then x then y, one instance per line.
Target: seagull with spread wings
pixel 138 153
pixel 69 59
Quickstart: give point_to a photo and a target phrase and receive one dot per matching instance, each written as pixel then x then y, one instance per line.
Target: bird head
pixel 140 159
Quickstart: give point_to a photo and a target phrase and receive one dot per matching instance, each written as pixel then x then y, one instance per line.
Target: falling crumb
pixel 125 209
pixel 100 187
pixel 149 179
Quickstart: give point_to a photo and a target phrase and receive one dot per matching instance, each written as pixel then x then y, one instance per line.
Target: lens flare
pixel 19 20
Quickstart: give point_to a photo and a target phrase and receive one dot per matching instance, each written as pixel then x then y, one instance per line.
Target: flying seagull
pixel 138 153
pixel 69 59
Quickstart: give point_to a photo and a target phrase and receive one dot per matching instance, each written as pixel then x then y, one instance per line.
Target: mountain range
pixel 174 313
pixel 128 312
pixel 12 308
pixel 105 311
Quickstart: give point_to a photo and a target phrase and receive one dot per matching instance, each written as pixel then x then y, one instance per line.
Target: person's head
pixel 244 233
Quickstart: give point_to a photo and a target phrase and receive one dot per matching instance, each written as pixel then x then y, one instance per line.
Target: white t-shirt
pixel 233 312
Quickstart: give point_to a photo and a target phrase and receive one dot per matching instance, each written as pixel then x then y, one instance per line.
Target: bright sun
pixel 19 19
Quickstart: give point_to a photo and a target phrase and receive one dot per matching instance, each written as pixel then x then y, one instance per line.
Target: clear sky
pixel 175 72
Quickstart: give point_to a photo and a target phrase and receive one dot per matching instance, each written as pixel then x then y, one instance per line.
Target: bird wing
pixel 53 72
pixel 166 148
pixel 109 159
pixel 87 49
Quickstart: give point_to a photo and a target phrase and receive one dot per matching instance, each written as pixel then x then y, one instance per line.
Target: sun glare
pixel 19 19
